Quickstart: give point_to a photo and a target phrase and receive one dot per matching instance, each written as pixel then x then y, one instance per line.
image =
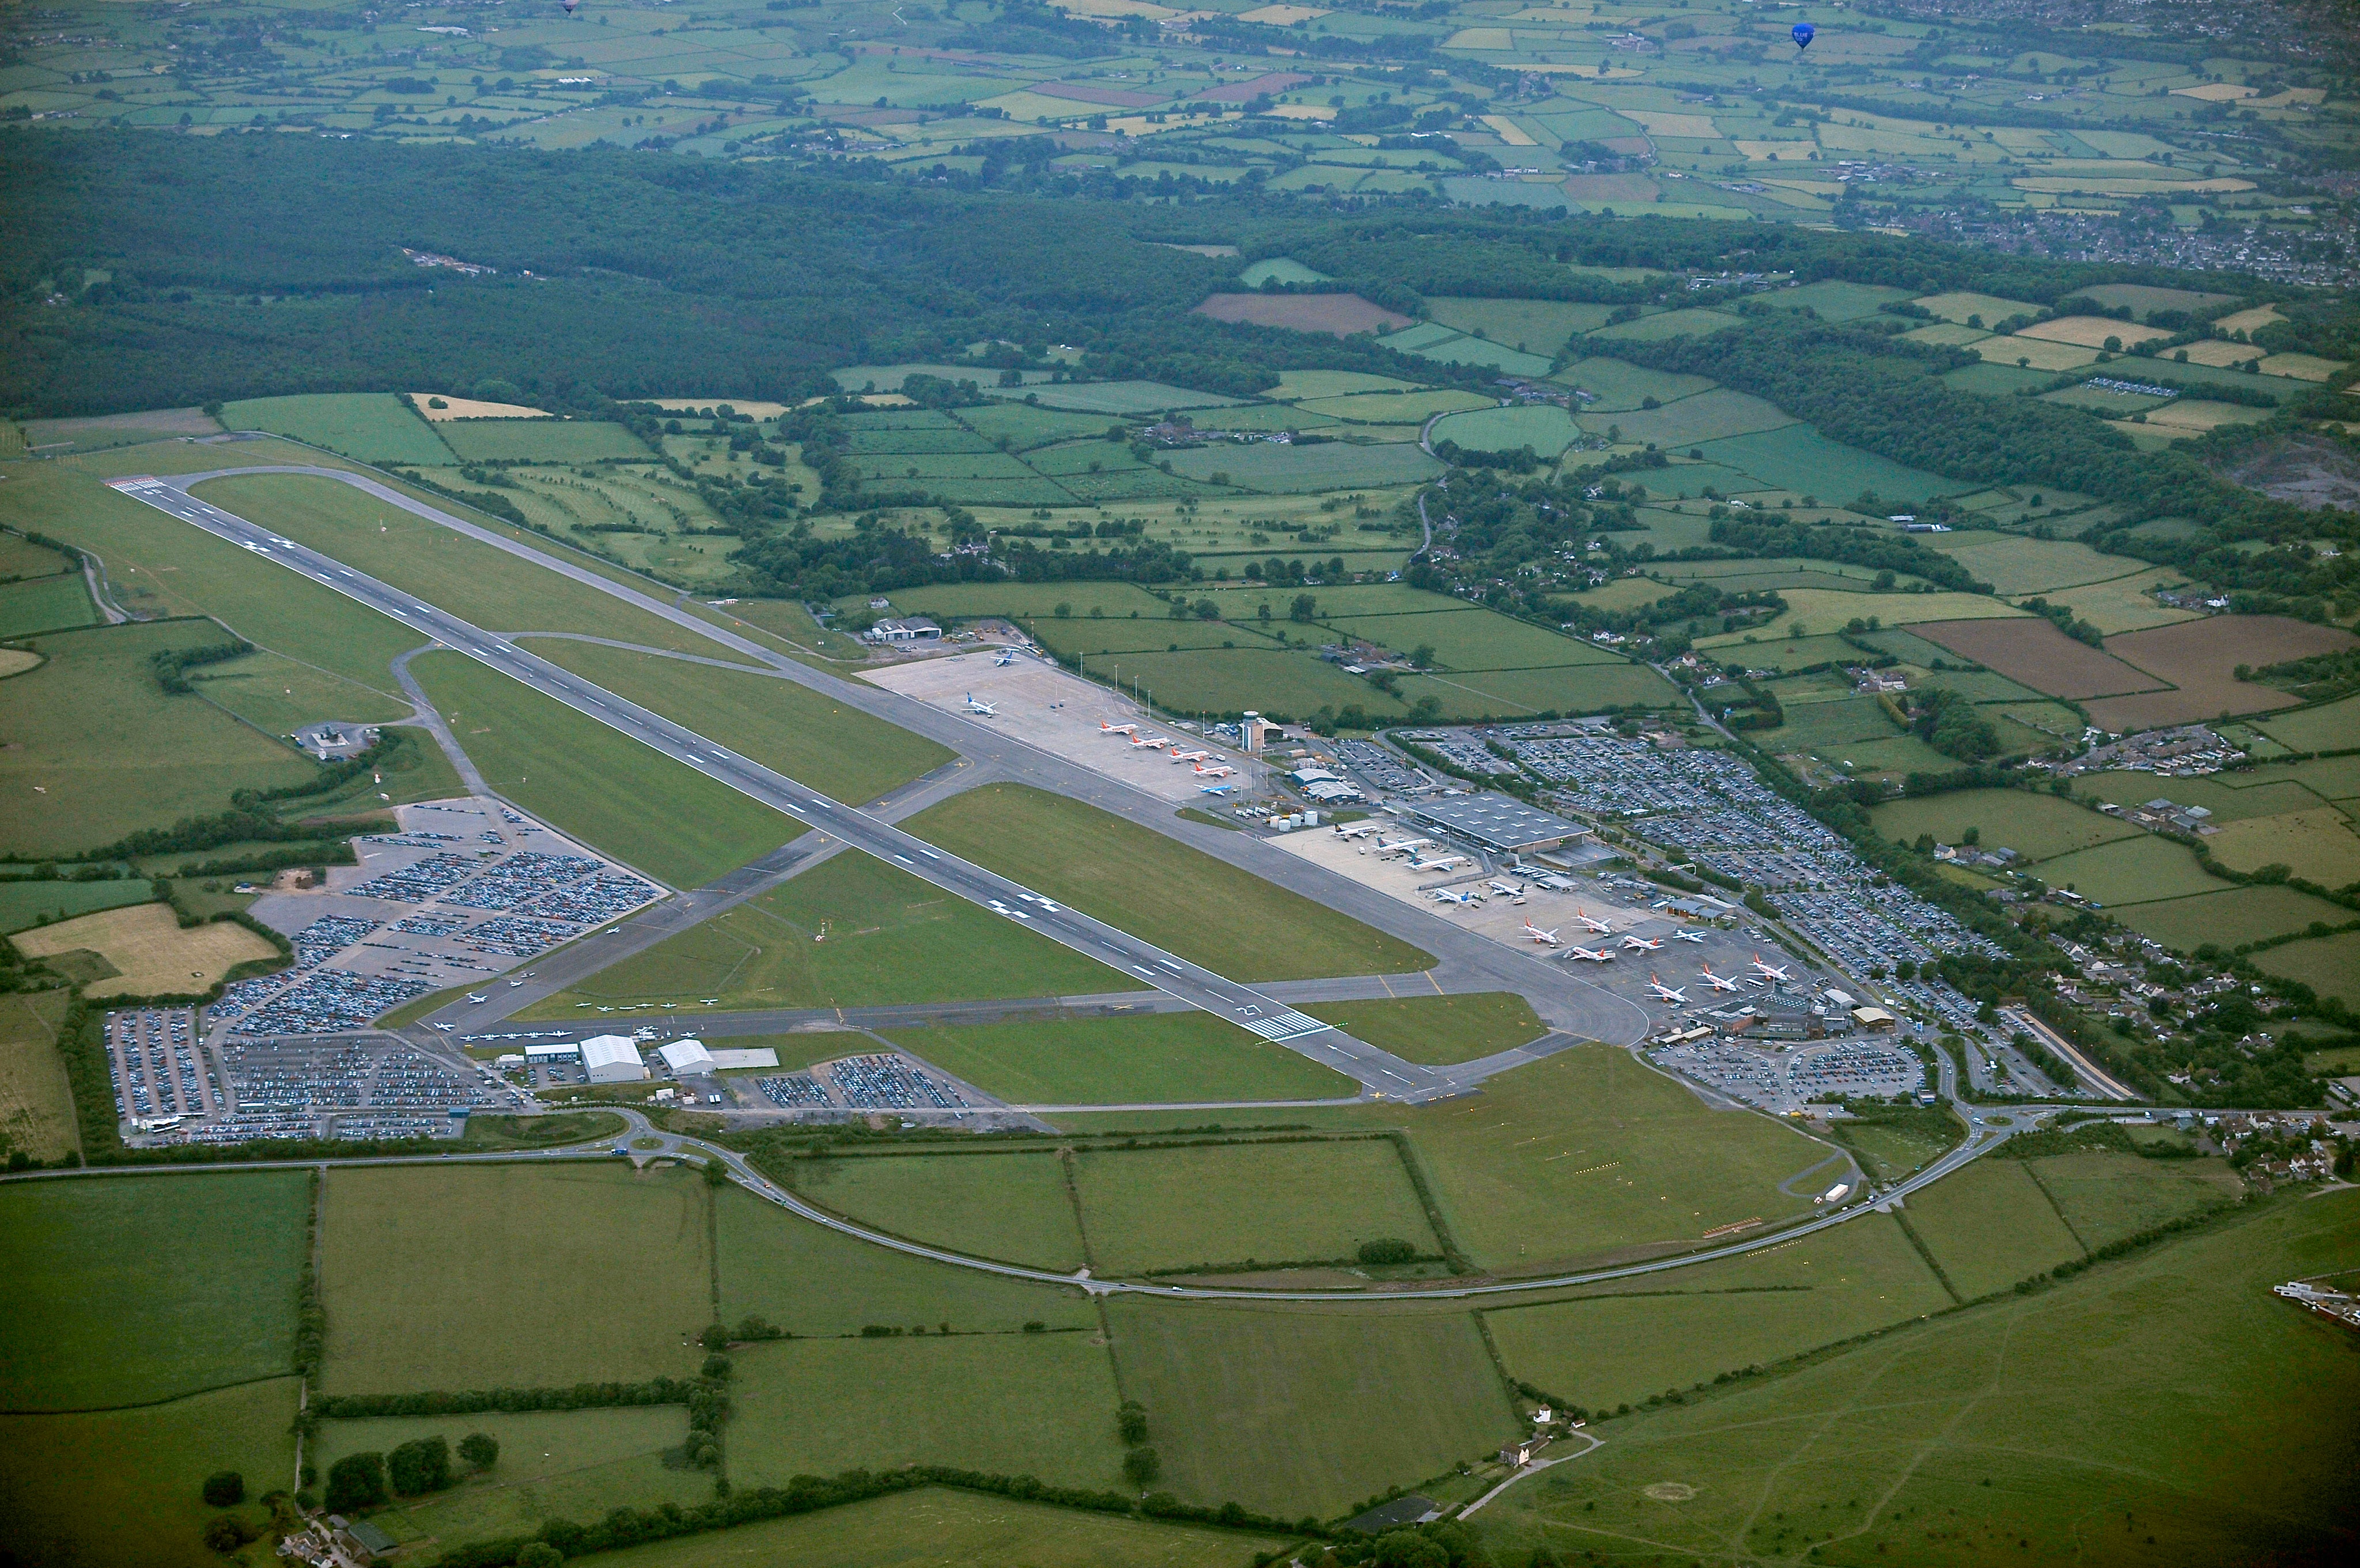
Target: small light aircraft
pixel 1688 936
pixel 1665 993
pixel 975 706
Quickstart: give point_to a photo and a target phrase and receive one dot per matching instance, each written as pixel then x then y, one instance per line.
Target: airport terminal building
pixel 1499 823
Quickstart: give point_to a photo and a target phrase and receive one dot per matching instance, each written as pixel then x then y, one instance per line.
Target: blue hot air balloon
pixel 1804 34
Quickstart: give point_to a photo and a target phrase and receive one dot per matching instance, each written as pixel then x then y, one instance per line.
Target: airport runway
pixel 1378 1071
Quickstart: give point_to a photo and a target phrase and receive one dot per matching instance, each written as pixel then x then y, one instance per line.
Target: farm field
pixel 1587 1156
pixel 2200 658
pixel 45 603
pixel 940 1525
pixel 538 1250
pixel 1020 1404
pixel 2329 965
pixel 593 782
pixel 124 1485
pixel 2105 1196
pixel 1265 1203
pixel 2232 916
pixel 1110 870
pixel 98 749
pixel 2132 871
pixel 152 1248
pixel 148 951
pixel 1438 1031
pixel 1338 315
pixel 1620 385
pixel 1293 470
pixel 2125 604
pixel 2012 564
pixel 838 750
pixel 574 1465
pixel 278 695
pixel 889 938
pixel 1015 1207
pixel 540 441
pixel 25 901
pixel 373 427
pixel 1304 1409
pixel 1545 428
pixel 1827 610
pixel 37 1114
pixel 1989 1226
pixel 1707 415
pixel 2326 727
pixel 1529 326
pixel 2036 654
pixel 2197 1396
pixel 811 1281
pixel 1618 1346
pixel 1798 458
pixel 2035 827
pixel 2319 842
pixel 1564 688
pixel 1151 1057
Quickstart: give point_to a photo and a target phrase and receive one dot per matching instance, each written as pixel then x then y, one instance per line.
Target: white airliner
pixel 1359 830
pixel 1717 983
pixel 1772 970
pixel 1598 927
pixel 1402 845
pixel 1591 955
pixel 1106 728
pixel 1215 788
pixel 1179 755
pixel 1451 895
pixel 1007 657
pixel 1641 943
pixel 1506 889
pixel 1665 993
pixel 1223 771
pixel 1539 935
pixel 1438 862
pixel 1144 742
pixel 1688 936
pixel 975 706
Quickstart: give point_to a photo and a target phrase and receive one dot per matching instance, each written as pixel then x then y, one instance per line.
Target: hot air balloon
pixel 1804 32
pixel 570 5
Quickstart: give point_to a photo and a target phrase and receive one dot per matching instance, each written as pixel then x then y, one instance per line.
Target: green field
pixel 1396 408
pixel 36 1100
pixel 474 580
pixel 539 441
pixel 1989 1226
pixel 2199 1371
pixel 1020 1404
pixel 531 1276
pixel 2036 826
pixel 597 784
pixel 1798 458
pixel 812 1282
pixel 1295 470
pixel 1828 728
pixel 2232 916
pixel 45 603
pixel 98 748
pixel 1438 1031
pixel 2328 728
pixel 1113 871
pixel 1024 428
pixel 124 1291
pixel 26 902
pixel 1621 384
pixel 373 427
pixel 1533 326
pixel 1014 1207
pixel 1272 1203
pixel 574 1465
pixel 1306 1410
pixel 936 1525
pixel 812 738
pixel 851 931
pixel 1624 1343
pixel 2105 1196
pixel 1586 1155
pixel 2329 965
pixel 2133 871
pixel 1563 689
pixel 1667 324
pixel 1707 415
pixel 1152 1057
pixel 1546 429
pixel 2266 791
pixel 110 1486
pixel 1472 639
pixel 280 695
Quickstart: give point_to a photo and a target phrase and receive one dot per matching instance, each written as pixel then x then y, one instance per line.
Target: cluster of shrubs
pixel 412 1470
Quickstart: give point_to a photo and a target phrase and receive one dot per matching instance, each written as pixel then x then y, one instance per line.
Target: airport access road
pixel 1378 1071
pixel 1468 960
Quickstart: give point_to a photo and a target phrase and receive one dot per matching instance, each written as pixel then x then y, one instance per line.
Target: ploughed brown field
pixel 1342 314
pixel 2200 658
pixel 2037 654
